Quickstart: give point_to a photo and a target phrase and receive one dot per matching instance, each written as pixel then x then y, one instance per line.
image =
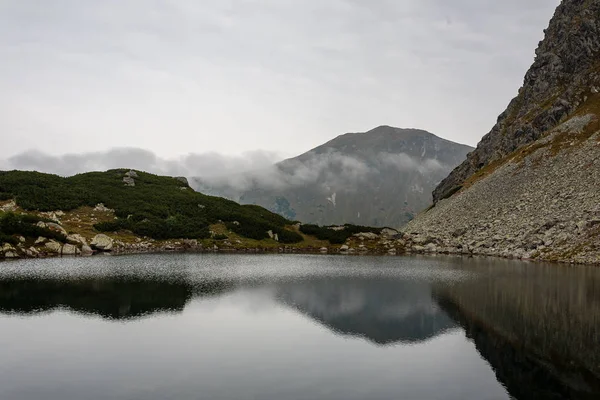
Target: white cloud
pixel 186 76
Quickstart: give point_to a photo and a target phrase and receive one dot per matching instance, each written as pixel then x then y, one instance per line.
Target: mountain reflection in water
pixel 537 326
pixel 109 297
pixel 381 311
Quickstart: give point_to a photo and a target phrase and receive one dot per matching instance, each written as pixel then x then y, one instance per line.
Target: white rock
pixel 100 207
pixel 102 242
pixel 8 207
pixel 344 248
pixel 70 250
pixel 7 247
pixel 367 235
pixel 41 240
pixel 53 246
pixel 76 239
pixel 128 181
pixel 32 252
pixel 56 227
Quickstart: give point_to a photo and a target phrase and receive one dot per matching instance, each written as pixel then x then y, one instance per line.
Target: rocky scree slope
pixel 532 187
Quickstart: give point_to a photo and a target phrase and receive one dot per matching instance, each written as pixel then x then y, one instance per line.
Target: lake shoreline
pixel 332 250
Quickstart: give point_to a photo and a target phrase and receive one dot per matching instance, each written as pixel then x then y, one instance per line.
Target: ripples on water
pixel 188 326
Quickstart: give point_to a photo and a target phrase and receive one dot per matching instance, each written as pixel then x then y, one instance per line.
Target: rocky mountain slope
pixel 531 188
pixel 383 177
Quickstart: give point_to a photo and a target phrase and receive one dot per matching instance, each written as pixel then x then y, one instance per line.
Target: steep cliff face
pixel 566 71
pixel 531 189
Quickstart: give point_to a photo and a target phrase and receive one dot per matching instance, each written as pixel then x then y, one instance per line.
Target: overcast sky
pixel 184 76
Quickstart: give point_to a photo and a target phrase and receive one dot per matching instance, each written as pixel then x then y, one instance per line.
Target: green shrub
pixel 8 239
pixel 220 237
pixel 25 225
pixel 288 237
pixel 336 236
pixel 156 206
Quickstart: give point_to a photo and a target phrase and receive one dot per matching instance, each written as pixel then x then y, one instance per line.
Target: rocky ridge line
pixel 565 72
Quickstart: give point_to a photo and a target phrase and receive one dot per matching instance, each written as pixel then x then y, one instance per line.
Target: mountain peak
pixel 387 129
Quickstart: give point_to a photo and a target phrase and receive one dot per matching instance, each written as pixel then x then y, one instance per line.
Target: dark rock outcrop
pixel 565 72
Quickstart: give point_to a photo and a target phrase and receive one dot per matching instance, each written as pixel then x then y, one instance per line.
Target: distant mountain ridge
pixel 382 177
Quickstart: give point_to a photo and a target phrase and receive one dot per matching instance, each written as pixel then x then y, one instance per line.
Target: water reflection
pixel 538 327
pixel 383 311
pixel 116 298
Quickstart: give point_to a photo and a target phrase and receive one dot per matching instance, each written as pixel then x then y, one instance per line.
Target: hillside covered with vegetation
pixel 148 205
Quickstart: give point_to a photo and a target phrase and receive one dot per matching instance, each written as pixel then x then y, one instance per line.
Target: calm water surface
pixel 297 327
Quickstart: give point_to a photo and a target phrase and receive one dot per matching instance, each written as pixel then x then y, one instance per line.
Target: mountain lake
pixel 208 326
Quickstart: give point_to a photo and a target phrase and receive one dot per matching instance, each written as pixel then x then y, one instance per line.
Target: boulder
pixel 344 248
pixel 41 240
pixel 8 207
pixel 102 242
pixel 128 181
pixel 70 250
pixel 11 254
pixel 100 207
pixel 56 228
pixel 431 248
pixel 183 180
pixel 32 252
pixel 86 250
pixel 131 174
pixel 190 243
pixel 7 247
pixel 323 250
pixel 76 239
pixel 388 232
pixel 53 246
pixel 367 236
pixel 271 235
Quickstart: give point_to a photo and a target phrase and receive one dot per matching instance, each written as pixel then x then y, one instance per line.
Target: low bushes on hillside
pixel 336 236
pixel 24 225
pixel 157 207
